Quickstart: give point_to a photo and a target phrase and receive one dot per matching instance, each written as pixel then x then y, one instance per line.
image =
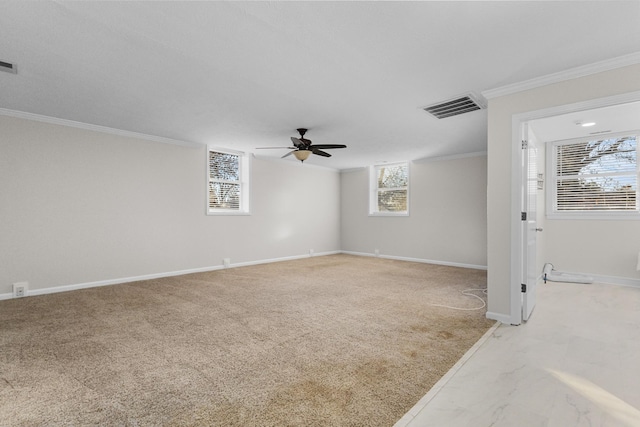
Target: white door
pixel 529 225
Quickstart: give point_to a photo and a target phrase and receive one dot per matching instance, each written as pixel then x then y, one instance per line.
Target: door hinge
pixel 525 144
pixel 523 216
pixel 523 288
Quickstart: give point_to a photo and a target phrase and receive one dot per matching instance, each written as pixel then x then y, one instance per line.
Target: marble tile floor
pixel 575 363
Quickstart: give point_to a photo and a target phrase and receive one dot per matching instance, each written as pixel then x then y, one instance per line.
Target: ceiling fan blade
pixel 327 146
pixel 273 148
pixel 288 154
pixel 314 150
pixel 297 142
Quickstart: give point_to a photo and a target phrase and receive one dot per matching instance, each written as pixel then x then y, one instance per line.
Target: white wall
pixel 447 221
pixel 79 206
pixel 596 248
pixel 500 147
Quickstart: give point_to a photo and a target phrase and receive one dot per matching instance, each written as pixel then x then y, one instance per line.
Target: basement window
pixel 593 179
pixel 389 189
pixel 228 182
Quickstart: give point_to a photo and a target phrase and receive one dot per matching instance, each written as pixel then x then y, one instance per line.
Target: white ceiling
pixel 243 75
pixel 613 119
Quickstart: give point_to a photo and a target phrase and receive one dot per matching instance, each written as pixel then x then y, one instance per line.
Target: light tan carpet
pixel 335 340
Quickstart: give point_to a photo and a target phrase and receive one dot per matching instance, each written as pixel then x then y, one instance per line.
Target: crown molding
pixel 96 128
pixel 572 73
pixel 451 157
pixel 578 106
pixel 356 169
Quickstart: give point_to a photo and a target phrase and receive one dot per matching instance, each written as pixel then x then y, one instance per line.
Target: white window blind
pixel 228 182
pixel 390 189
pixel 596 175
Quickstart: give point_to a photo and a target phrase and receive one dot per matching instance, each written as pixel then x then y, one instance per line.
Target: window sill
pixel 599 216
pixel 228 213
pixel 388 213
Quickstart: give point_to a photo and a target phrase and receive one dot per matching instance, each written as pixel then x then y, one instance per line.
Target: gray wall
pixel 80 206
pixel 576 254
pixel 447 214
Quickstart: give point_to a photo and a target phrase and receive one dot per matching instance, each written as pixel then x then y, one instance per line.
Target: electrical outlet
pixel 310 252
pixel 226 262
pixel 377 252
pixel 20 289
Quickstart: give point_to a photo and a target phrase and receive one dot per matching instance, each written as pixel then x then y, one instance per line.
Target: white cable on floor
pixel 466 292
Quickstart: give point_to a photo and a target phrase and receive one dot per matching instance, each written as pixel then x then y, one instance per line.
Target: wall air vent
pixel 453 107
pixel 8 67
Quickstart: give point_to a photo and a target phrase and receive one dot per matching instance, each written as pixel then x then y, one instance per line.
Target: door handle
pixel 538 229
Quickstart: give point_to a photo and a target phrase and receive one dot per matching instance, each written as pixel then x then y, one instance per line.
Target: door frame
pixel 528 227
pixel 517 245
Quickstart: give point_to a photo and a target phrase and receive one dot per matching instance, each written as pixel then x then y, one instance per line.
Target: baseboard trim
pixel 288 258
pixel 421 260
pixel 606 280
pixel 502 318
pixel 77 286
pixel 613 280
pixel 74 287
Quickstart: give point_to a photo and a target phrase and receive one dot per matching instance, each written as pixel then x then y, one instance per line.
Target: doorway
pixel 526 270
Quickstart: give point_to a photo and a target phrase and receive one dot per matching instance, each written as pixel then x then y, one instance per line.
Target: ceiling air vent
pixel 9 68
pixel 453 107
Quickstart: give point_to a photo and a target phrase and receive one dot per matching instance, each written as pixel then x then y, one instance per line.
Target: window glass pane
pixel 392 200
pixel 223 195
pixel 224 166
pixel 597 194
pixel 597 157
pixel 597 175
pixel 392 176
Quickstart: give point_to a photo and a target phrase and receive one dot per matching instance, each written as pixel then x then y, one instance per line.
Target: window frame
pixel 374 189
pixel 244 167
pixel 551 195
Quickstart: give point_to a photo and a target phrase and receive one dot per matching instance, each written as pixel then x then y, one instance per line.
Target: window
pixel 389 189
pixel 228 183
pixel 594 178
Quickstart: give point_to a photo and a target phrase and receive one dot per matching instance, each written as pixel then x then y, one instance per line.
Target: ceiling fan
pixel 302 148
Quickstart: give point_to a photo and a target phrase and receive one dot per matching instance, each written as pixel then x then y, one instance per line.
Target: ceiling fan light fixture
pixel 302 148
pixel 302 155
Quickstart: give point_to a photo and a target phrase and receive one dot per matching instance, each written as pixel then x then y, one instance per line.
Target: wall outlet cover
pixel 20 289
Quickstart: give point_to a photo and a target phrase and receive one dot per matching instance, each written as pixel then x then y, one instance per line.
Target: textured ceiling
pixel 243 75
